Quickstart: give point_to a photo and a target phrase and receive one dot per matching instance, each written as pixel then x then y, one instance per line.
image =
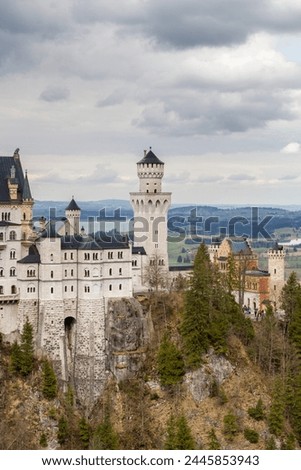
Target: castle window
pixel 274 271
pixel 1 290
pixel 24 216
pixel 51 274
pixel 71 255
pixel 87 256
pixel 95 256
pixel 120 271
pixel 1 272
pixel 87 288
pixel 110 287
pixel 110 272
pixel 110 254
pixel 65 256
pixel 120 254
pixel 51 290
pixel 12 254
pixel 12 272
pixel 12 235
pixel 66 273
pixel 65 288
pixel 87 273
pixel 51 257
pixel 71 272
pixel 13 289
pixel 134 262
pixel 120 286
pixel 1 236
pixel 71 288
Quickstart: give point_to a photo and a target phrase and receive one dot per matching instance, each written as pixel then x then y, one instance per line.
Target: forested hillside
pixel 211 379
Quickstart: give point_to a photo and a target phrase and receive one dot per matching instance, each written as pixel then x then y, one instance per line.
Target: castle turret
pixel 276 268
pixel 150 206
pixel 72 212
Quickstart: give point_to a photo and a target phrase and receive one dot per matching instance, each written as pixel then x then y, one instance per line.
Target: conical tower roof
pixel 26 189
pixel 72 206
pixel 151 158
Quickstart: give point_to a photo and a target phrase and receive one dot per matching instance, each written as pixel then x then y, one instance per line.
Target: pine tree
pixel 84 433
pixel 171 439
pixel 179 436
pixel 197 310
pixel 105 437
pixel 277 409
pixel 231 427
pixel 185 440
pixel 213 443
pixel 63 431
pixel 15 358
pixel 170 362
pixel 27 349
pixel 49 382
pixel 257 412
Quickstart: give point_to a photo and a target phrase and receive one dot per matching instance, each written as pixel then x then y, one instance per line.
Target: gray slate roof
pixel 72 206
pixel 151 158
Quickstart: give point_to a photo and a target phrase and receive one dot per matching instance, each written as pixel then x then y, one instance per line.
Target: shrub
pixel 251 435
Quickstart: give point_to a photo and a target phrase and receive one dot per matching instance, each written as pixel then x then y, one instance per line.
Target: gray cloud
pixel 55 93
pixel 241 177
pixel 193 23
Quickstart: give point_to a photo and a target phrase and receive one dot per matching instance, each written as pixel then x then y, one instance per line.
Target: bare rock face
pixel 215 368
pixel 128 333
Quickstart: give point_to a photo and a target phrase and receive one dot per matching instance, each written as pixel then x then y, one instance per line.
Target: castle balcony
pixel 9 299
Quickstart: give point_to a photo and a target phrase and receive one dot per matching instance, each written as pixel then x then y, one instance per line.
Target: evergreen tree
pixel 84 433
pixel 170 362
pixel 27 349
pixel 104 437
pixel 15 358
pixel 171 434
pixel 49 382
pixel 197 310
pixel 293 401
pixel 63 431
pixel 277 409
pixel 185 440
pixel 179 436
pixel 257 412
pixel 213 443
pixel 231 427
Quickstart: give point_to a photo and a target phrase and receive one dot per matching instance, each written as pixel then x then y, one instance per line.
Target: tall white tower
pixel 150 206
pixel 276 268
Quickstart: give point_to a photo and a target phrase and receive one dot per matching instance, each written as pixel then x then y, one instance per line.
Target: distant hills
pixel 254 222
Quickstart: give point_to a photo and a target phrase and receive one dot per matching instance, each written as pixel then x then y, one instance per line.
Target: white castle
pixel 62 280
pixel 77 290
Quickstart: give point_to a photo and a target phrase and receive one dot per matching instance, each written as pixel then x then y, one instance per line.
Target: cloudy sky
pixel 213 86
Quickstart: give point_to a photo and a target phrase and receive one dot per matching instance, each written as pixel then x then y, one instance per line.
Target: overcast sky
pixel 213 86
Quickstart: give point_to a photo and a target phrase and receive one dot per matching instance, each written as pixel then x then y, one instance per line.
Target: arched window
pixel 1 272
pixel 12 272
pixel 1 236
pixel 12 235
pixel 13 289
pixel 12 254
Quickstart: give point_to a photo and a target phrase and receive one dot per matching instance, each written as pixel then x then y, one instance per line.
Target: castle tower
pixel 72 212
pixel 150 206
pixel 276 257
